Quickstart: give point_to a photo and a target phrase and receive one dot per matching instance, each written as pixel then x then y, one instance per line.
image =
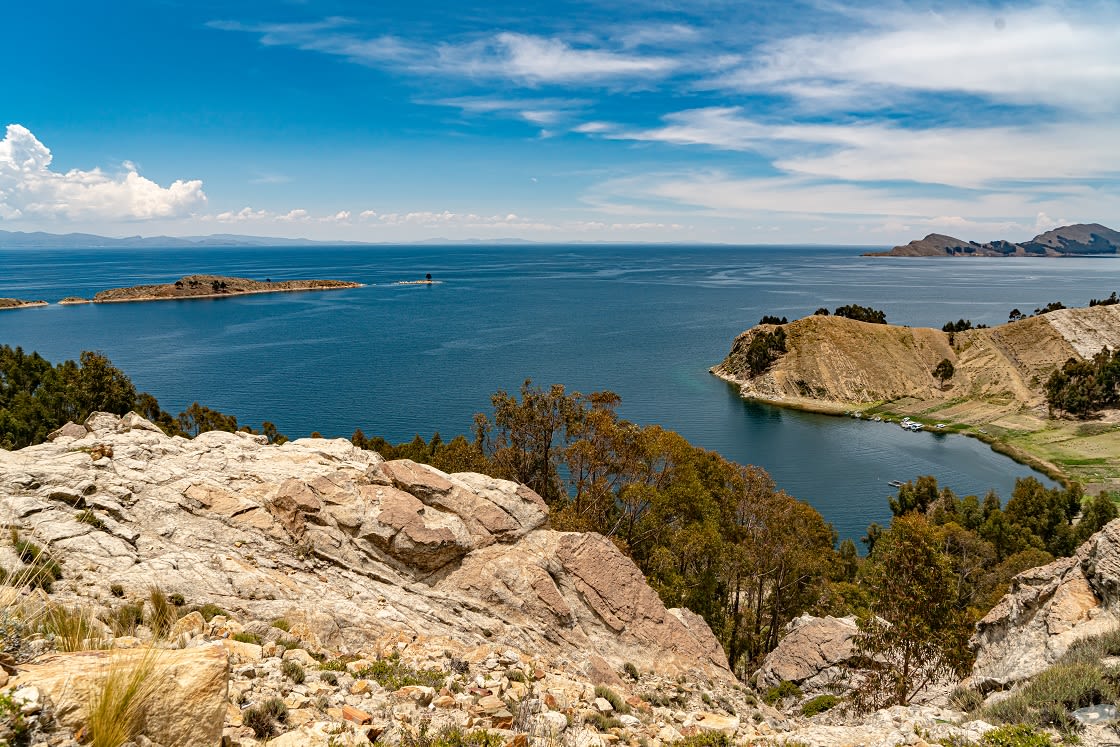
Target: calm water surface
pixel 646 322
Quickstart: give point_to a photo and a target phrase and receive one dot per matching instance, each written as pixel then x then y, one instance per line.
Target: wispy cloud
pixel 29 188
pixel 1028 55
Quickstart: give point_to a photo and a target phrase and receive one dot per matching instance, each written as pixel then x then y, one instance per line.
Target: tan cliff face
pixel 333 537
pixel 842 361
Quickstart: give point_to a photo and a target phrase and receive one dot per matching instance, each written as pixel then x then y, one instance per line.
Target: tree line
pixel 37 397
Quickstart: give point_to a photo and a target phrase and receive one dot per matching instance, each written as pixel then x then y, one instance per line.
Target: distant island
pixel 210 286
pixel 19 303
pixel 1079 240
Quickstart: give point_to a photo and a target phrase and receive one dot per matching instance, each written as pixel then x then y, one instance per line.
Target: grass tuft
pixel 119 704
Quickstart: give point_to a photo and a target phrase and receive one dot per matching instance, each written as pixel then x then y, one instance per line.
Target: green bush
pixel 782 691
pixel 210 611
pixel 125 619
pixel 602 722
pixel 89 517
pixel 451 736
pixel 1016 735
pixel 391 674
pixel 293 671
pixel 282 624
pixel 247 637
pixel 262 719
pixel 966 699
pixel 705 739
pixel 819 704
pixel 116 590
pixel 631 671
pixel 617 703
pixel 330 677
pixel 1071 686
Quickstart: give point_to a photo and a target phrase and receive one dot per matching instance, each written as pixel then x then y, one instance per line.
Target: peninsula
pixel 1079 240
pixel 995 392
pixel 212 286
pixel 19 303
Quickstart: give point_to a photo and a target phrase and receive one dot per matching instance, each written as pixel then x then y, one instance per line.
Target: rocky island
pixel 212 286
pixel 18 303
pixel 1080 240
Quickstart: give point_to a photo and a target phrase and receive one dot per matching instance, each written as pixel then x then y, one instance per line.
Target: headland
pixel 211 286
pixel 19 303
pixel 1079 240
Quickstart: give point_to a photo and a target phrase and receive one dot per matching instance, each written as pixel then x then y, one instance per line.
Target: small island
pixel 212 286
pixel 19 303
pixel 1080 240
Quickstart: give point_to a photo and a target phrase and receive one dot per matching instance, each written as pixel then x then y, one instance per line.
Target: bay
pixel 644 321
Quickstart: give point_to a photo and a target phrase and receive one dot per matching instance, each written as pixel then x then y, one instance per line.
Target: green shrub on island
pixel 1083 388
pixel 819 704
pixel 861 313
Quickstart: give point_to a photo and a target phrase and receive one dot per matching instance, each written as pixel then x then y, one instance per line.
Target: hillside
pixel 835 364
pixel 1082 239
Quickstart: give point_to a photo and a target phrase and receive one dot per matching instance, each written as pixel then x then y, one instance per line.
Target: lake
pixel 644 321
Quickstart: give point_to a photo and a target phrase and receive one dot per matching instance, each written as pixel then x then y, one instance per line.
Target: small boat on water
pixel 895 483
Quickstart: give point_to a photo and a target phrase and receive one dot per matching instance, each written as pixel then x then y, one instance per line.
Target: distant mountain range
pixel 1079 240
pixel 42 240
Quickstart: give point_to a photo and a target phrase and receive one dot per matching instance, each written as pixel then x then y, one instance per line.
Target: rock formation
pixel 1047 609
pixel 332 537
pixel 812 655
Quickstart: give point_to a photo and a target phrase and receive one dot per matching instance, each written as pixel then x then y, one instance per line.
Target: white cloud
pixel 30 189
pixel 1026 55
pixel 956 156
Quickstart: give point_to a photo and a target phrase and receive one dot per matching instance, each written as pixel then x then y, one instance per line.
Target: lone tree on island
pixel 943 371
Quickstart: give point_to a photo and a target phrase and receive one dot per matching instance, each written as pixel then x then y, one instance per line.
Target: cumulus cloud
pixel 30 189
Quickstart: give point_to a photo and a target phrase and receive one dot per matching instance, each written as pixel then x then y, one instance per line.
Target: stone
pixel 1098 714
pixel 240 652
pixel 1046 610
pixel 301 657
pixel 602 705
pixel 189 697
pixel 812 654
pixel 320 734
pixel 70 430
pixel 554 723
pixel 491 704
pixel 191 624
pixel 357 715
pixel 715 722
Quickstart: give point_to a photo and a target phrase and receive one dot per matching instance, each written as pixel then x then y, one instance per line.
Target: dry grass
pixel 119 705
pixel 70 628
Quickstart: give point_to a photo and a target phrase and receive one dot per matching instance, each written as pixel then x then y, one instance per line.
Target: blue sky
pixel 642 120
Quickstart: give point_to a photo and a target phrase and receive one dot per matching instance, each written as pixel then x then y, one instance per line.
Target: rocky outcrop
pixel 812 655
pixel 19 303
pixel 1047 609
pixel 214 286
pixel 344 545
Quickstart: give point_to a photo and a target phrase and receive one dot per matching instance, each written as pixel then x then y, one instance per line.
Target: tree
pixel 943 371
pixel 861 313
pixel 1015 315
pixel 915 636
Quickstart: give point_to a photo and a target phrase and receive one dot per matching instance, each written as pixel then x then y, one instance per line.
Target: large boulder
pixel 187 704
pixel 813 654
pixel 1047 609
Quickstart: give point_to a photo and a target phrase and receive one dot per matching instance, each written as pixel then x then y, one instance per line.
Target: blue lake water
pixel 645 322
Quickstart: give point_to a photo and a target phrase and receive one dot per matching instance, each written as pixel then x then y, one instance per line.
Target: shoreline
pixel 15 303
pixel 840 409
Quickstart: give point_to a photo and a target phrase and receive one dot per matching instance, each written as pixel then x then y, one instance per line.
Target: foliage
pixel 293 671
pixel 116 590
pixel 40 570
pixel 1110 301
pixel 861 314
pixel 262 718
pixel 14 722
pixel 163 613
pixel 1052 306
pixel 961 325
pixel 822 311
pixel 247 637
pixel 1047 699
pixel 281 624
pixel 916 635
pixel 1016 735
pixel 631 671
pixel 69 629
pixel 819 704
pixel 120 702
pixel 1084 387
pixel 705 739
pixel 451 736
pixel 966 699
pixel 770 319
pixel 617 703
pixel 943 371
pixel 764 349
pixel 37 397
pixel 392 674
pixel 781 691
pixel 211 610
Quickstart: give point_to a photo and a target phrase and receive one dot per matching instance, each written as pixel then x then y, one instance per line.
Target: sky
pixel 765 122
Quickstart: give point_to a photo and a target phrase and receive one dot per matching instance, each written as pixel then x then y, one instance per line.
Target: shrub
pixel 391 674
pixel 125 619
pixel 819 704
pixel 617 703
pixel 1071 686
pixel 331 678
pixel 258 719
pixel 705 739
pixel 282 624
pixel 116 590
pixel 293 671
pixel 333 665
pixel 966 699
pixel 515 675
pixel 209 611
pixel 177 599
pixel 1017 735
pixel 69 629
pixel 785 689
pixel 11 715
pixel 451 736
pixel 247 637
pixel 631 671
pixel 163 614
pixel 89 517
pixel 602 722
